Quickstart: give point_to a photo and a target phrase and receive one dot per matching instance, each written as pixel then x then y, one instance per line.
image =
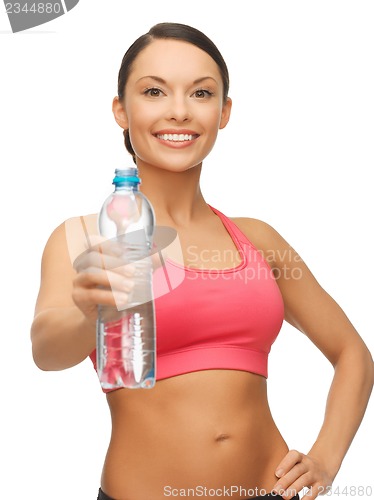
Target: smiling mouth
pixel 177 137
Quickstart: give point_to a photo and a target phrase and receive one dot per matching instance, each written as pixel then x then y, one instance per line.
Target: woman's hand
pixel 103 278
pixel 297 471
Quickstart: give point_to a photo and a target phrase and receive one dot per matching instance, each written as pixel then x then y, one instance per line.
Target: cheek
pixel 213 121
pixel 141 115
pixel 211 116
pixel 139 123
pixel 141 118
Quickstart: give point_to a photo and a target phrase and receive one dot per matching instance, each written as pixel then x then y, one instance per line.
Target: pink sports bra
pixel 216 319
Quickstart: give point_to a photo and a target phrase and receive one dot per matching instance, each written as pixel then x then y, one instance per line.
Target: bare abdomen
pixel 211 429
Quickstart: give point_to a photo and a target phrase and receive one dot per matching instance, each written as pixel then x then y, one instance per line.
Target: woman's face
pixel 173 105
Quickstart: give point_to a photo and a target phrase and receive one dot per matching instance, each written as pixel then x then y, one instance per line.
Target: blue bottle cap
pixel 126 175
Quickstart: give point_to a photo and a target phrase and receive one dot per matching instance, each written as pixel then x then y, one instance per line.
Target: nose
pixel 179 109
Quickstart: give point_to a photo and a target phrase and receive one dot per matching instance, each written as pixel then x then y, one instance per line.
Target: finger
pixel 93 259
pixel 118 270
pixel 299 469
pixel 104 279
pixel 88 258
pixel 85 298
pixel 292 482
pixel 291 459
pixel 119 283
pixel 291 489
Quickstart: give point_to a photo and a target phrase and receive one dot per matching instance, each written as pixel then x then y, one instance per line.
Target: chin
pixel 171 165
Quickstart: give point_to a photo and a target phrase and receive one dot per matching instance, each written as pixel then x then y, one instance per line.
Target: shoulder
pixel 274 248
pixel 261 234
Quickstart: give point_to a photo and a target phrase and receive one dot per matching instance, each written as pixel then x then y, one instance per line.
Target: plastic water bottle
pixel 126 336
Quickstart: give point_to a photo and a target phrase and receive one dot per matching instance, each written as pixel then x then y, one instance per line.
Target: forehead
pixel 174 58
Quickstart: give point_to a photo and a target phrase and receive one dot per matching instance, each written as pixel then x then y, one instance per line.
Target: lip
pixel 176 144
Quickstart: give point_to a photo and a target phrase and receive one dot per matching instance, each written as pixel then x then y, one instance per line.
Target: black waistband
pixel 103 496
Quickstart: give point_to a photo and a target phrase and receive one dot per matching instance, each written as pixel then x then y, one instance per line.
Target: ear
pixel 119 113
pixel 225 115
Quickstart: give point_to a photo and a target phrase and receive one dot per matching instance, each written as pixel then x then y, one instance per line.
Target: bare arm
pixel 63 330
pixel 310 309
pixel 61 334
pixel 324 322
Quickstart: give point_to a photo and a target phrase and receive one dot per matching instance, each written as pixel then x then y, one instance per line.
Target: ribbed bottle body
pixel 126 334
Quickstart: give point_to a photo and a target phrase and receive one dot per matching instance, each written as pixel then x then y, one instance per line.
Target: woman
pixel 205 429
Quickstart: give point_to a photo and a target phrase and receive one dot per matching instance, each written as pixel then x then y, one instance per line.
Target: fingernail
pixel 279 473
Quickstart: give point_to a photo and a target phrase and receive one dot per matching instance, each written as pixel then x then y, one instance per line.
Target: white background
pixel 297 153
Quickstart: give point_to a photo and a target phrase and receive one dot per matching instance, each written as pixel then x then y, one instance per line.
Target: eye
pixel 153 92
pixel 202 93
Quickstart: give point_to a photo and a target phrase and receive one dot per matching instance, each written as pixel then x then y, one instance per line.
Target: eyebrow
pixel 161 80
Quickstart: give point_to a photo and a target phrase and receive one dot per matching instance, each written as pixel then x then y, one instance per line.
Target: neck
pixel 175 196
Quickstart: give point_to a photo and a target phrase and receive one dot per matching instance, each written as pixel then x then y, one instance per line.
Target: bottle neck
pixel 126 186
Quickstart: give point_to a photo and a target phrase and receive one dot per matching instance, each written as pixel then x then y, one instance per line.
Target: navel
pixel 222 437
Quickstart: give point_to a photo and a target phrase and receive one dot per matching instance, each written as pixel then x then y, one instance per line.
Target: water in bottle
pixel 126 335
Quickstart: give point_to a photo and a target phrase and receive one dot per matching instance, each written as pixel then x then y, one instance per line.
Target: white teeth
pixel 175 137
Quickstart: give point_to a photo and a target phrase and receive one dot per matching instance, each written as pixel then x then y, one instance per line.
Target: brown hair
pixel 174 31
